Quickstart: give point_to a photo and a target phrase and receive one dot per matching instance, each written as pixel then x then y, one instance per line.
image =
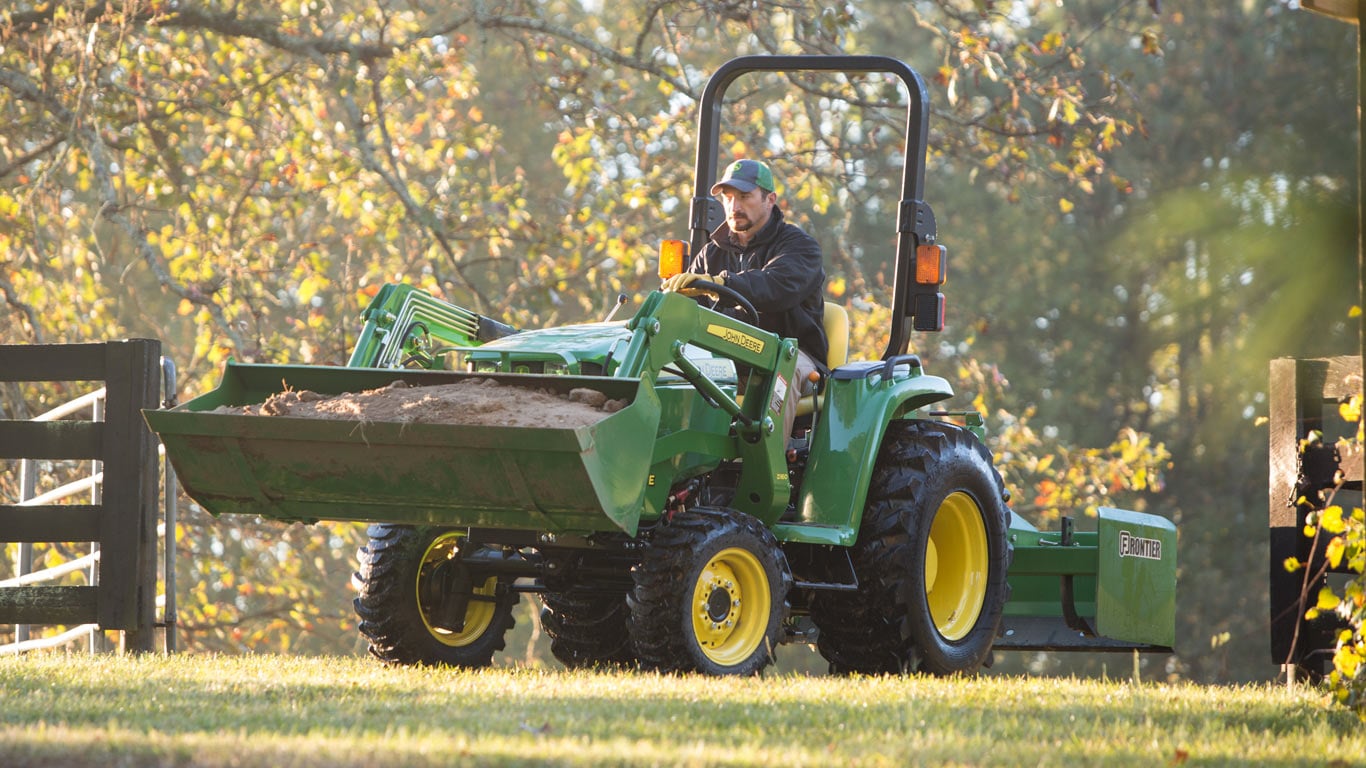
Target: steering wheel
pixel 724 294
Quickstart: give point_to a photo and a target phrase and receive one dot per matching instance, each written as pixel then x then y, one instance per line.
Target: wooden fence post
pixel 1304 397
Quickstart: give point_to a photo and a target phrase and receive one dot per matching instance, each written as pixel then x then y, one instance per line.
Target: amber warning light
pixel 927 303
pixel 672 254
pixel 929 264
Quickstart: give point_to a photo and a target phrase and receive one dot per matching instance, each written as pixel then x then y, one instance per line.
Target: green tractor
pixel 683 531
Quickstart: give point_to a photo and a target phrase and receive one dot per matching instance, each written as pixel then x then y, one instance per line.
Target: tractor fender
pixel 859 401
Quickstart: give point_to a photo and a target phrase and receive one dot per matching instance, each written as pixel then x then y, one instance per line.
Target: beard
pixel 740 223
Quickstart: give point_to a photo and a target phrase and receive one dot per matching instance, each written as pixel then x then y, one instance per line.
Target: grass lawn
pixel 63 710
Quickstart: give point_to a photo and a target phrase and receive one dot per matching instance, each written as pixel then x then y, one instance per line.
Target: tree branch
pixel 589 45
pixel 12 299
pixel 110 209
pixel 372 163
pixel 28 157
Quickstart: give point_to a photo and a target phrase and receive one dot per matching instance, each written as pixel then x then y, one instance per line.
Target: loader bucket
pixel 561 480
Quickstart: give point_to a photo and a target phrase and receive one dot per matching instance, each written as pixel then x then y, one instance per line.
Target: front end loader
pixel 683 531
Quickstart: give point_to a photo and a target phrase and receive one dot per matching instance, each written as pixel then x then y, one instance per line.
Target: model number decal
pixel 1137 546
pixel 736 337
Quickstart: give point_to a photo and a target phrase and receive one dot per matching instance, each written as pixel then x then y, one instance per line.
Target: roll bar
pixel 914 307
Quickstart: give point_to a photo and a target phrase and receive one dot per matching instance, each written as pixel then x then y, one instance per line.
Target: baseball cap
pixel 745 175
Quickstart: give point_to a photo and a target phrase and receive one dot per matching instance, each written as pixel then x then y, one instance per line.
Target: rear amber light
pixel 929 264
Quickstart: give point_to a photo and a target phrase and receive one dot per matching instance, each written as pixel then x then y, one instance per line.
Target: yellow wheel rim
pixel 956 566
pixel 479 614
pixel 731 606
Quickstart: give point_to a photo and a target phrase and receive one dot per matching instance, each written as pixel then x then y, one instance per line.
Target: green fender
pixel 860 399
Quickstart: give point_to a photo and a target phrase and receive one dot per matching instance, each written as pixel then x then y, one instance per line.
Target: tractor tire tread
pixel 870 631
pixel 390 618
pixel 659 622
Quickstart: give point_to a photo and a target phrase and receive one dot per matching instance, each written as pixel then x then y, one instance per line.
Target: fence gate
pixel 124 521
pixel 1304 399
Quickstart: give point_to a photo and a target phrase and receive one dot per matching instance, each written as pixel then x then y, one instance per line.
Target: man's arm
pixel 793 272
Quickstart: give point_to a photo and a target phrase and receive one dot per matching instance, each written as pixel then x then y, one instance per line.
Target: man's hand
pixel 682 280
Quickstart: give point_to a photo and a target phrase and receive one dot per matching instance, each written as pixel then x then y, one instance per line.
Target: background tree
pixel 1234 247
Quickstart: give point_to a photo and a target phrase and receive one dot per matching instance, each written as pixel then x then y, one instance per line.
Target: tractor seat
pixel 836 322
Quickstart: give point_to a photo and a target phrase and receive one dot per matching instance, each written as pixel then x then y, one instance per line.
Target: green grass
pixel 296 711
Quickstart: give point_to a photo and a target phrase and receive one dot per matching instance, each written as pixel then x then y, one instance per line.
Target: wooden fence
pixel 124 522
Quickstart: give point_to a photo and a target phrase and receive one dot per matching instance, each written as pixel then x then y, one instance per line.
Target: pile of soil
pixel 475 402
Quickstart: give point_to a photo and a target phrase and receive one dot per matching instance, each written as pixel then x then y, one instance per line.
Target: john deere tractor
pixel 683 531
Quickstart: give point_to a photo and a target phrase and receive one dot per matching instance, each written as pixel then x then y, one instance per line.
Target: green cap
pixel 745 175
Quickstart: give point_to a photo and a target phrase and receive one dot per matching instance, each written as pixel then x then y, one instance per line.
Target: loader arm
pixel 665 324
pixel 405 325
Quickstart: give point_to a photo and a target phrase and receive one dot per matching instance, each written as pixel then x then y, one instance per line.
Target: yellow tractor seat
pixel 836 322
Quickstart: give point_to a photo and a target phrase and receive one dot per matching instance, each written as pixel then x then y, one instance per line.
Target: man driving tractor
pixel 772 263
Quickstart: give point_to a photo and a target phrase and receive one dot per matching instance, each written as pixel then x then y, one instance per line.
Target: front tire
pixel 710 595
pixel 931 560
pixel 421 604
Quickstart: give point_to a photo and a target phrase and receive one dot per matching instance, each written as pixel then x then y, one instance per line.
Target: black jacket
pixel 780 272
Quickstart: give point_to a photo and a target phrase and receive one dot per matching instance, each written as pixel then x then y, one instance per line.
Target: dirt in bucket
pixel 475 402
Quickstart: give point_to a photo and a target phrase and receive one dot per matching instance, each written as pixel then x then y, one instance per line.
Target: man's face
pixel 747 212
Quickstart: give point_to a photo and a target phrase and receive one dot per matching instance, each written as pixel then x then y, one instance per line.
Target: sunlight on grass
pixel 287 711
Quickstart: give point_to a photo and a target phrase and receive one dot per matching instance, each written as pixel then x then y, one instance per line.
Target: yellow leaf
pixel 1065 205
pixel 1332 521
pixel 1347 661
pixel 1328 600
pixel 1337 546
pixel 1069 113
pixel 1351 410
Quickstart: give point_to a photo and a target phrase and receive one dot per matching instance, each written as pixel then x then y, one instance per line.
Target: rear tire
pixel 587 629
pixel 931 560
pixel 409 580
pixel 710 595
